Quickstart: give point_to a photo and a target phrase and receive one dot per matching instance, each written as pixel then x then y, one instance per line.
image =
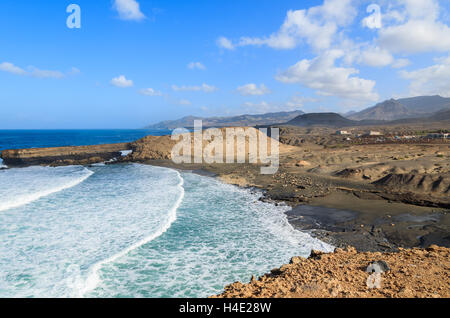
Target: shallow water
pixel 135 231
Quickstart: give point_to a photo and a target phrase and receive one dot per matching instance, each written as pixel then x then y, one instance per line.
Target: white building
pixel 373 133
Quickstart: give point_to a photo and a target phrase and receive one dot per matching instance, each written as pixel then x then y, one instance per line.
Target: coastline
pixel 412 272
pixel 339 218
pixel 379 222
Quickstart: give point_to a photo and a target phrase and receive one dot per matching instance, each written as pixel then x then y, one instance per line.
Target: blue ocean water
pixel 132 230
pixel 19 139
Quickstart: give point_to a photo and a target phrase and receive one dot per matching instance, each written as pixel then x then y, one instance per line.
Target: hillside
pixel 321 119
pixel 387 110
pixel 426 104
pixel 242 120
pixel 414 107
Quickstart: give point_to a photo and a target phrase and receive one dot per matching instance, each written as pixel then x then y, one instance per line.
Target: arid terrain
pixel 411 273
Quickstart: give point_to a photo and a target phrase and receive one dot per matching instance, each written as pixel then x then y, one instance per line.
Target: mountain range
pixel 414 107
pixel 242 120
pixel 401 111
pixel 336 120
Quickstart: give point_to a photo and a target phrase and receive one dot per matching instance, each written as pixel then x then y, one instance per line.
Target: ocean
pixel 132 230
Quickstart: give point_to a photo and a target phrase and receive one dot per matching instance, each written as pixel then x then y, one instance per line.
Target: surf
pixel 22 186
pixel 94 278
pixel 56 246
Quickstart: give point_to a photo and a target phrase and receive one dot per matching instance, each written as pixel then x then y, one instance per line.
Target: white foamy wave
pixel 25 185
pixel 2 165
pixel 223 234
pixel 58 246
pixel 125 153
pixel 94 279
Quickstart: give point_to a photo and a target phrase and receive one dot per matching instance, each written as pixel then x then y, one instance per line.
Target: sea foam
pixel 25 185
pixel 132 230
pixel 2 165
pixel 55 245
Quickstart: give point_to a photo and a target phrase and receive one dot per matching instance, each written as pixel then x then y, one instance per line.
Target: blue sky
pixel 136 62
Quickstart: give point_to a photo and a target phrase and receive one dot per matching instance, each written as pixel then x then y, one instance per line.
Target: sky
pixel 130 63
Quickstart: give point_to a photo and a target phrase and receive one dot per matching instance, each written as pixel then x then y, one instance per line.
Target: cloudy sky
pixel 135 62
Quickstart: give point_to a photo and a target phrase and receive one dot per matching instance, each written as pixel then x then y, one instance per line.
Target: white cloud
pixel 401 63
pixel 74 71
pixel 11 68
pixel 375 56
pixel 260 107
pixel 322 75
pixel 128 10
pixel 204 87
pixel 253 89
pixel 150 92
pixel 196 65
pixel 121 81
pixel 416 36
pixel 184 102
pixel 365 53
pixel 421 9
pixel 316 25
pixel 35 72
pixel 420 29
pixel 225 43
pixel 295 103
pixel 433 80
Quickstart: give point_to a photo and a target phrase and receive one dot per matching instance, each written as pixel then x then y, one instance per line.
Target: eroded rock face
pixel 62 156
pixel 152 148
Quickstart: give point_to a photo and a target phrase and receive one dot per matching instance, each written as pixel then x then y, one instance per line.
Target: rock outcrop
pixel 61 156
pixel 408 273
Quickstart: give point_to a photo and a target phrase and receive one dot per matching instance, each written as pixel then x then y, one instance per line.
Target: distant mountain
pixel 348 114
pixel 243 120
pixel 321 119
pixel 413 107
pixel 335 120
pixel 388 110
pixel 426 104
pixel 440 116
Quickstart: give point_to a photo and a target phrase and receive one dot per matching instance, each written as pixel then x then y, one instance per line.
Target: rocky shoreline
pixel 63 156
pixel 346 273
